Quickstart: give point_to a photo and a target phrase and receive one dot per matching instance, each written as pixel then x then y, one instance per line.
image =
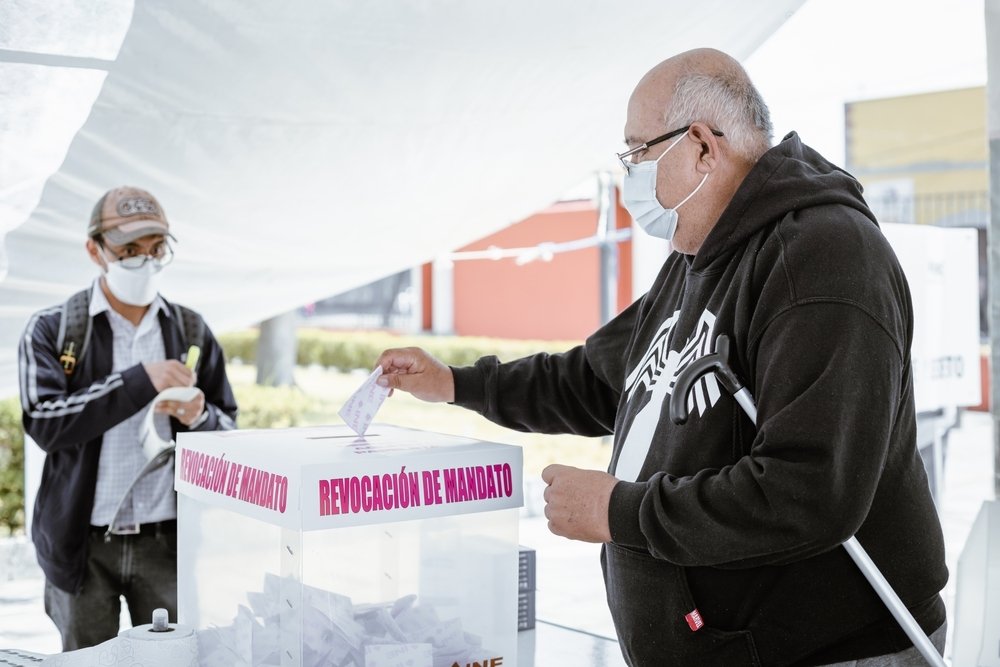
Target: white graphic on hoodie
pixel 656 373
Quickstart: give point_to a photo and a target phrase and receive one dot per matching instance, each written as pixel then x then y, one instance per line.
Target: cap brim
pixel 130 231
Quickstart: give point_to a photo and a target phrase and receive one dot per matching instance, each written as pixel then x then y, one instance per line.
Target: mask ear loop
pixel 107 263
pixel 670 147
pixel 705 178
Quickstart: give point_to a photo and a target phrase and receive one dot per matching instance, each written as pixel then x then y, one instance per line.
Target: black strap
pixel 74 330
pixel 192 329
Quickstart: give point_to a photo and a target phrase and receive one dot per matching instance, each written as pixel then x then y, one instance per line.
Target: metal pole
pixel 607 196
pixel 993 292
pixel 276 350
pixel 443 296
pixel 993 233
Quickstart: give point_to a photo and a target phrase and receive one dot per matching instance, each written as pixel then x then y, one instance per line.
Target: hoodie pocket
pixel 658 622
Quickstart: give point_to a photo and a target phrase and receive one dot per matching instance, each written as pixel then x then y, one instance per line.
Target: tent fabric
pixel 304 148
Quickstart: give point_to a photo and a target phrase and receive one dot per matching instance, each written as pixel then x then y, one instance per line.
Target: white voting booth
pixel 313 546
pixel 941 266
pixel 942 271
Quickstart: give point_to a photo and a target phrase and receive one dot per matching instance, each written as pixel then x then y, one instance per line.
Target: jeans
pixel 141 567
pixel 911 657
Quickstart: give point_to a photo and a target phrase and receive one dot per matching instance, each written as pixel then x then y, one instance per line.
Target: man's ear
pixel 95 254
pixel 710 151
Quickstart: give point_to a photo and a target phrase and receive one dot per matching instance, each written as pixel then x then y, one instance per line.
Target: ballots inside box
pixel 317 547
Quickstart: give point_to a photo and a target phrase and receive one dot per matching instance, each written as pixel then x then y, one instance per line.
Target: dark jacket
pixel 744 524
pixel 68 415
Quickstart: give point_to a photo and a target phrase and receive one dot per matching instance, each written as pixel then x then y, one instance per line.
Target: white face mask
pixel 639 197
pixel 135 287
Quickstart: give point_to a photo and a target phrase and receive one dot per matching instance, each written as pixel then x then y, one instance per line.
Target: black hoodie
pixel 724 527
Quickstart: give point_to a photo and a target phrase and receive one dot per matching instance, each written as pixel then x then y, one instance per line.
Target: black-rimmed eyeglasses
pixel 624 157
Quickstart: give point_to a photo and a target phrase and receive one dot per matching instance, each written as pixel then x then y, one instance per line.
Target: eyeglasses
pixel 132 256
pixel 624 157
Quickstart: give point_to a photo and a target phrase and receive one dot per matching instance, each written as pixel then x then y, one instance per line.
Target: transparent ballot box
pixel 312 546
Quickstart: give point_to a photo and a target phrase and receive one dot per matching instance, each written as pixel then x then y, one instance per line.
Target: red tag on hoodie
pixel 694 620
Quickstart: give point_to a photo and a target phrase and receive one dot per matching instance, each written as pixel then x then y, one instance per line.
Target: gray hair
pixel 726 101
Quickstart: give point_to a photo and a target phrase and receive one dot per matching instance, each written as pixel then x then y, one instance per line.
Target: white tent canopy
pixel 303 148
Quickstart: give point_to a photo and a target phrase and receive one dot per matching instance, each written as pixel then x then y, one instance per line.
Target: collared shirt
pixel 122 456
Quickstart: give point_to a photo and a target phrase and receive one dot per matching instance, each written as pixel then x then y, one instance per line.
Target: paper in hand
pixel 152 442
pixel 359 410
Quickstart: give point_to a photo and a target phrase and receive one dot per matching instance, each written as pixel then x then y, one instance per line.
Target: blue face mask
pixel 639 197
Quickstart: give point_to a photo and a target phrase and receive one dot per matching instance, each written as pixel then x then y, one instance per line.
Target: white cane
pixel 718 362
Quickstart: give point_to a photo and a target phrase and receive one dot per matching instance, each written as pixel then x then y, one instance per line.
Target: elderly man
pixel 89 370
pixel 722 539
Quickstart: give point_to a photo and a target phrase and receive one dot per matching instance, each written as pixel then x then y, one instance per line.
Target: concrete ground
pixel 569 588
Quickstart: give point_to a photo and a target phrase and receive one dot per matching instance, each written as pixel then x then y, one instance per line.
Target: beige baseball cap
pixel 125 214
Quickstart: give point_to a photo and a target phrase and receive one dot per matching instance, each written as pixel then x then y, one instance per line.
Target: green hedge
pixel 348 350
pixel 260 407
pixel 271 407
pixel 11 467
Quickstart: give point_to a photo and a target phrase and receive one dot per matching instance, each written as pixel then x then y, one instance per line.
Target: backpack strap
pixel 192 328
pixel 74 330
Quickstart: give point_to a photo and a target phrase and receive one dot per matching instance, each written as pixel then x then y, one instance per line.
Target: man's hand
pixel 169 373
pixel 186 412
pixel 172 373
pixel 412 370
pixel 576 502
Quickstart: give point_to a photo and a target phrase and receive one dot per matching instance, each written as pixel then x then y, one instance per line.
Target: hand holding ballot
pixel 409 369
pixel 413 370
pixel 359 410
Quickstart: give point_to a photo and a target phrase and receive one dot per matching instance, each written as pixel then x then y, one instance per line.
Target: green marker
pixel 192 356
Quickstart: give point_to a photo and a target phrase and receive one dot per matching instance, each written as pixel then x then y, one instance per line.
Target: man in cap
pixel 89 370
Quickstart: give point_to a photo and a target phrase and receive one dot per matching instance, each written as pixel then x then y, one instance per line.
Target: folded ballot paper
pixel 359 410
pixel 338 633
